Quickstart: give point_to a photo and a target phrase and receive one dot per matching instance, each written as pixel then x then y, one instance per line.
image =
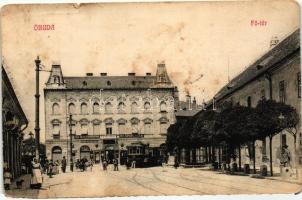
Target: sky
pixel 213 39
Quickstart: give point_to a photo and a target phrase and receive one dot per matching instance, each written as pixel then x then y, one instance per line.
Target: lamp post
pixel 37 107
pixel 70 142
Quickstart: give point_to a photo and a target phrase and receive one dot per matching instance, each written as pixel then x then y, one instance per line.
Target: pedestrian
pixel 128 164
pixel 57 167
pixel 36 178
pixel 115 164
pixel 133 164
pixel 63 164
pixel 105 165
pixel 7 178
pixel 50 169
pixel 46 166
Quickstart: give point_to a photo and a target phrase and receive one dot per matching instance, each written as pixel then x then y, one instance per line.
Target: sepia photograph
pixel 151 99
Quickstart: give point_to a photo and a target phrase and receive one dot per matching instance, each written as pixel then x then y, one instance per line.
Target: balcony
pixel 86 137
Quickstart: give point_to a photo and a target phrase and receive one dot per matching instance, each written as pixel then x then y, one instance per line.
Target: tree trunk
pixel 239 156
pixel 213 154
pixel 219 157
pixel 194 155
pixel 254 158
pixel 206 154
pixel 271 154
pixel 209 153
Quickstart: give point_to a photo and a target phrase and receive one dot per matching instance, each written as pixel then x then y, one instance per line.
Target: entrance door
pixel 56 153
pixel 85 152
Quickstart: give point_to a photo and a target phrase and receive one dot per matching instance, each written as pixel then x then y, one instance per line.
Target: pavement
pixel 151 181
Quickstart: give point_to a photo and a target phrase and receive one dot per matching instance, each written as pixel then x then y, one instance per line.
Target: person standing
pixel 36 179
pixel 105 165
pixel 115 163
pixel 7 178
pixel 50 168
pixel 133 165
pixel 64 164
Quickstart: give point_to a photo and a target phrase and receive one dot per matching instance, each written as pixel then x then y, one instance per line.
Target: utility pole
pixel 37 105
pixel 70 142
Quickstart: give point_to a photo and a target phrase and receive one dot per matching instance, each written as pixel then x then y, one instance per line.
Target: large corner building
pixel 112 116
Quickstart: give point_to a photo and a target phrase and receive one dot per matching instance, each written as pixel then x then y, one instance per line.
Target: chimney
pixel 89 74
pixel 131 74
pixel 188 101
pixel 103 74
pixel 148 74
pixel 194 104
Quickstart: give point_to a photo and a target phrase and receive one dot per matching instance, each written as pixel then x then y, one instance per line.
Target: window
pixel 163 107
pixel 108 83
pixel 262 94
pixel 283 142
pixel 108 108
pixel 282 91
pixel 135 129
pixel 56 79
pixel 122 128
pixel 71 108
pixel 96 129
pixel 264 146
pixel 135 150
pixel 147 128
pixel 55 109
pixel 163 127
pixel 147 107
pixel 56 131
pixel 96 107
pixel 134 107
pixel 84 109
pixel 108 128
pixel 249 101
pixel 299 84
pixel 121 107
pixel 84 129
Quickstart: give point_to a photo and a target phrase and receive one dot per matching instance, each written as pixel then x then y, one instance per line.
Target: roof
pixel 268 61
pixel 113 82
pixel 6 82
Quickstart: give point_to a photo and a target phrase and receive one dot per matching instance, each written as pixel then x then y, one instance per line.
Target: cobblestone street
pixel 152 181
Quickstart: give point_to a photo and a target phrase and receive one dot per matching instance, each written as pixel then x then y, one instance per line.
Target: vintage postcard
pixel 158 98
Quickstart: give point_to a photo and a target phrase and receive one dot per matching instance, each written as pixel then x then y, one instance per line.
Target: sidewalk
pixel 25 190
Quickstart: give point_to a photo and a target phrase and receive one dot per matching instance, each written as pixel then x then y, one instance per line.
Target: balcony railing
pixel 86 136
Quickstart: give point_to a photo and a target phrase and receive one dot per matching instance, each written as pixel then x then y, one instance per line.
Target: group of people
pixel 84 163
pixel 51 168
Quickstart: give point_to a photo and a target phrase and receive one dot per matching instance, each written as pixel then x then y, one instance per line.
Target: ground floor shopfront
pixel 149 150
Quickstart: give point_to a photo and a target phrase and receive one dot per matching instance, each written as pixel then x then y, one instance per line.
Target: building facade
pixel 14 123
pixel 112 116
pixel 277 76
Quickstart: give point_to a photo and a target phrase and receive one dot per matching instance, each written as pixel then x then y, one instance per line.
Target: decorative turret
pixel 161 74
pixel 56 78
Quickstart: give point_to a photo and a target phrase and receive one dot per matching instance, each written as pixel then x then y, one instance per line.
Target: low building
pixel 277 76
pixel 14 122
pixel 112 116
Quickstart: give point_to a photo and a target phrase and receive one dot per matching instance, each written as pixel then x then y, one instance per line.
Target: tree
pixel 269 111
pixel 203 132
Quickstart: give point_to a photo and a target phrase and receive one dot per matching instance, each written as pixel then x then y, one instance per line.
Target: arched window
pixel 71 108
pixel 55 109
pixel 163 107
pixel 121 107
pixel 108 108
pixel 84 109
pixel 147 106
pixel 96 107
pixel 134 107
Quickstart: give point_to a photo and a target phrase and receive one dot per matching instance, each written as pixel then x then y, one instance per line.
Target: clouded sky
pixel 192 38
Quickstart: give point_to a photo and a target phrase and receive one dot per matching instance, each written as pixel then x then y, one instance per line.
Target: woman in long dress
pixel 36 178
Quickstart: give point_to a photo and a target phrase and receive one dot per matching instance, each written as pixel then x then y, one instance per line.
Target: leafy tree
pixel 269 111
